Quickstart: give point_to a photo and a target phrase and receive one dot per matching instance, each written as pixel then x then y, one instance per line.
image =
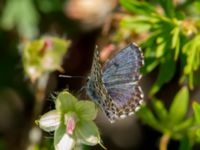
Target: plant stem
pixel 164 142
pixel 40 89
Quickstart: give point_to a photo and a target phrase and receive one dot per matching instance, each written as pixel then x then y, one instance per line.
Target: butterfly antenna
pixel 67 76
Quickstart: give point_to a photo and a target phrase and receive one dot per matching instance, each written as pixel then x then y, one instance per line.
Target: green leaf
pixel 86 110
pixel 15 14
pixel 197 6
pixel 168 7
pixel 176 41
pixel 65 102
pixel 192 51
pixel 180 15
pixel 196 77
pixel 147 116
pixel 47 6
pixel 138 7
pixel 179 106
pixel 87 132
pixel 138 24
pixel 191 80
pixel 184 125
pixel 150 64
pixel 160 110
pixel 196 109
pixel 160 50
pixel 197 133
pixel 166 73
pixel 177 49
pixel 190 59
pixel 185 144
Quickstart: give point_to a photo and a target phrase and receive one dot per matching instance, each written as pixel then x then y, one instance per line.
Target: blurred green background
pixel 168 33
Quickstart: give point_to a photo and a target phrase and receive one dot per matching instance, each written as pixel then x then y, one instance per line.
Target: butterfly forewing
pixel 124 66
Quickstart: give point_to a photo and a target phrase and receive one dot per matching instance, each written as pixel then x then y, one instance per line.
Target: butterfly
pixel 115 86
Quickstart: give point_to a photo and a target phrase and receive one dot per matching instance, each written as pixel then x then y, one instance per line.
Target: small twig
pixel 164 142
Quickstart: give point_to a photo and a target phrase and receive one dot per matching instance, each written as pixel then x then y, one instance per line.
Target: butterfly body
pixel 115 87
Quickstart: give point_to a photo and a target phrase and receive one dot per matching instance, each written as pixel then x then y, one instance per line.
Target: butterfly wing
pixel 96 90
pixel 120 78
pixel 92 88
pixel 116 90
pixel 124 67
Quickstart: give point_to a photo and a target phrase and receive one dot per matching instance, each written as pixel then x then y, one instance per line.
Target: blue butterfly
pixel 115 87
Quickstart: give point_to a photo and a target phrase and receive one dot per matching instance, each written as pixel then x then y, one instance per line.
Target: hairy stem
pixel 164 142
